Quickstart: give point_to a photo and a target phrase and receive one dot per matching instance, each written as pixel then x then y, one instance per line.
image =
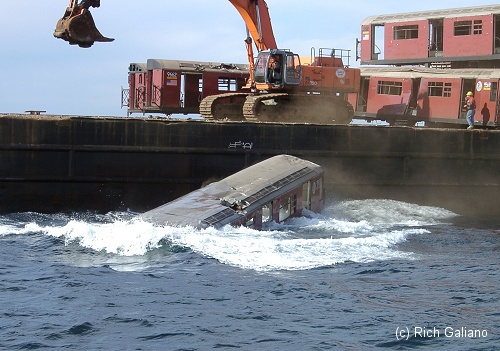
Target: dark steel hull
pixel 72 163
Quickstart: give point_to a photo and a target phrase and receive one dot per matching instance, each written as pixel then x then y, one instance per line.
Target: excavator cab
pixel 77 26
pixel 278 68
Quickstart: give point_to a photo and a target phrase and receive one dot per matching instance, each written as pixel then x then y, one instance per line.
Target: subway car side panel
pixel 468 36
pixel 410 39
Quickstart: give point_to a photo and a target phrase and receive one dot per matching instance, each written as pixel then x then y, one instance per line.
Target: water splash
pixel 357 231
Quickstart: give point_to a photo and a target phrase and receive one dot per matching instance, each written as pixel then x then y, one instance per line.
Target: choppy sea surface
pixel 362 275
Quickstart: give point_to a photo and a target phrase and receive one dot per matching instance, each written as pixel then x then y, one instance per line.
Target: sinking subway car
pixel 273 190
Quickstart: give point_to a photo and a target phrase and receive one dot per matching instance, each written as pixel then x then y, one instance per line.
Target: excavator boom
pixel 255 14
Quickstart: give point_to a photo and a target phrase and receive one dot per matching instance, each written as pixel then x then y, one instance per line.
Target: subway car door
pixel 467 85
pixel 190 90
pixel 412 105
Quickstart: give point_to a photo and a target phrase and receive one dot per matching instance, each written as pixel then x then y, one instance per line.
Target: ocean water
pixel 362 275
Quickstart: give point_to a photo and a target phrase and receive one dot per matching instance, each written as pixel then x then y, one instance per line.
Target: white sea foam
pixel 6 229
pixel 391 212
pixel 275 251
pixel 357 231
pixel 126 238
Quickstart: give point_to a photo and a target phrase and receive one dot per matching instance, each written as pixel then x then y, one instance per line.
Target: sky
pixel 40 72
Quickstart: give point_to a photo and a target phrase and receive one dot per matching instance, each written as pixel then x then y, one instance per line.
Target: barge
pixel 75 163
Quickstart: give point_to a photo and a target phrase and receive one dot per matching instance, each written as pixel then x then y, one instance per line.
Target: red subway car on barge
pixel 467 37
pixel 430 59
pixel 178 86
pixel 412 94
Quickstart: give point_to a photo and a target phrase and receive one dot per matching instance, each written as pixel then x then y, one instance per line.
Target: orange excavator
pixel 280 88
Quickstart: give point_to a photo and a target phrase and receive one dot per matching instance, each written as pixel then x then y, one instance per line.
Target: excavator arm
pixel 255 14
pixel 78 27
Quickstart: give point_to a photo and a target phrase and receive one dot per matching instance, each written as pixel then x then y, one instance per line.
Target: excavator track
pixel 288 108
pixel 252 110
pixel 223 107
pixel 277 107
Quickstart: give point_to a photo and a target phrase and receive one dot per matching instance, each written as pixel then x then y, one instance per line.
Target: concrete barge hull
pixel 74 163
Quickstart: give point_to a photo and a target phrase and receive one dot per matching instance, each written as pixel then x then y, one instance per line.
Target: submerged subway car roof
pixel 228 200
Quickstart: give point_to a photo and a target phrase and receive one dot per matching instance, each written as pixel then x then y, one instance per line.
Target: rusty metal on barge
pixel 73 163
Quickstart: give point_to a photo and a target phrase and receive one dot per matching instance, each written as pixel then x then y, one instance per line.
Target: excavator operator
pixel 275 69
